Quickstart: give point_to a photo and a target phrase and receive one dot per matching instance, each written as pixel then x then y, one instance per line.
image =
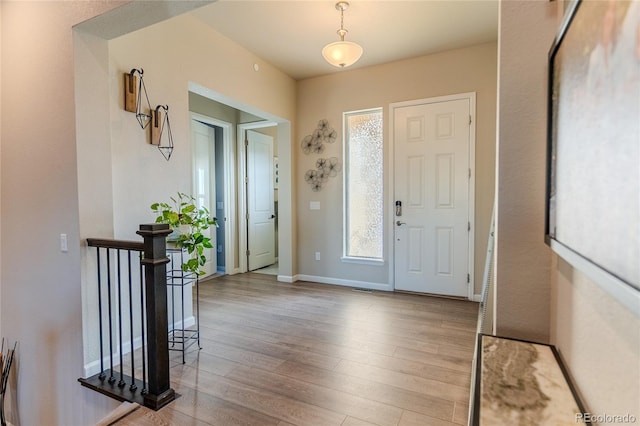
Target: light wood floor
pixel 311 354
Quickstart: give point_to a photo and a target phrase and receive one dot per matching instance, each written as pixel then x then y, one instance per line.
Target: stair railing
pixel 123 308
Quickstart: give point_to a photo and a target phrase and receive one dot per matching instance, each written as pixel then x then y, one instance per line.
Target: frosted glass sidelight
pixel 363 184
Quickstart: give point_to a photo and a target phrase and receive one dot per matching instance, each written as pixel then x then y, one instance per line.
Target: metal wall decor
pixel 314 143
pixel 161 131
pixel 325 167
pixel 133 101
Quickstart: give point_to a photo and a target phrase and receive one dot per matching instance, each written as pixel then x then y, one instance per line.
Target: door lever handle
pixel 400 223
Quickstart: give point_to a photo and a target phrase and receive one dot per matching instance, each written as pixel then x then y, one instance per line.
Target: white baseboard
pixel 188 322
pixel 93 367
pixel 345 283
pixel 287 279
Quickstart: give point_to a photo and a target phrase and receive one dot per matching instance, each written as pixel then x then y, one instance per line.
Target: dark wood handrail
pixel 115 244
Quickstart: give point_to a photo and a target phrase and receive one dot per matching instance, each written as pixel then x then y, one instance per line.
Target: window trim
pixel 378 261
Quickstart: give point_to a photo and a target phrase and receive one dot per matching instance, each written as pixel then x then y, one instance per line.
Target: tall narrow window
pixel 363 176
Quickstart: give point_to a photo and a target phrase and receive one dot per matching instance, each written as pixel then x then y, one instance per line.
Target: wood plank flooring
pixel 311 354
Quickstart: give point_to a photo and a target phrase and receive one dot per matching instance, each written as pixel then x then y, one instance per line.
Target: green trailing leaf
pixel 173 217
pixel 182 214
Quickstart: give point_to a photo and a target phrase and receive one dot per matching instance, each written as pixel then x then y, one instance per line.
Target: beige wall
pixel 41 305
pixel 211 108
pixel 465 70
pixel 540 296
pixel 1 32
pixel 523 260
pixel 599 340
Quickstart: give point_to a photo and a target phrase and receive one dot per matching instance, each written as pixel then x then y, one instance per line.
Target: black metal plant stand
pixel 182 337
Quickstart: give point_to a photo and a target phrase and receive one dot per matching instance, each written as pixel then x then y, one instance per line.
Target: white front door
pixel 203 137
pixel 432 172
pixel 260 201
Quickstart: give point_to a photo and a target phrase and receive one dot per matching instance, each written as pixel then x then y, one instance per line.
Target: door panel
pixel 432 182
pixel 203 137
pixel 260 201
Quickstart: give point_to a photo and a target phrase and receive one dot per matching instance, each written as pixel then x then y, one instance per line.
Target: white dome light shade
pixel 342 53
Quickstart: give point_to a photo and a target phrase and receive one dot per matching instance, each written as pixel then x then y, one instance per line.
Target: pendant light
pixel 342 53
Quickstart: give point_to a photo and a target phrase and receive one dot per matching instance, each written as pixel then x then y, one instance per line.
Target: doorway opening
pixel 228 166
pixel 213 181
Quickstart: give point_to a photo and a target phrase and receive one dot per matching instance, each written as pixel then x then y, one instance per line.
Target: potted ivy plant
pixel 187 222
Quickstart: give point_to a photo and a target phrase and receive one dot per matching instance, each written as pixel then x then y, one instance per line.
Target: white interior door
pixel 431 163
pixel 203 137
pixel 260 201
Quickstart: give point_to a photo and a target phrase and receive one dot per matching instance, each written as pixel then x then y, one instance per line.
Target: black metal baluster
pixel 133 386
pixel 102 375
pixel 143 325
pixel 111 378
pixel 184 338
pixel 173 301
pixel 121 383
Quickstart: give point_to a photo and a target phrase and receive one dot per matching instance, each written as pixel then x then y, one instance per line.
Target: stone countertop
pixel 522 384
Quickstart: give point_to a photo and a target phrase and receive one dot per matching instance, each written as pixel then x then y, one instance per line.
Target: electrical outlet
pixel 317 255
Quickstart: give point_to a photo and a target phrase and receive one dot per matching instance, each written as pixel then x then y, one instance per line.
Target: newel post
pixel 155 259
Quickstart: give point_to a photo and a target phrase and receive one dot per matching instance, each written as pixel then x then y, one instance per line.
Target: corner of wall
pixel 523 260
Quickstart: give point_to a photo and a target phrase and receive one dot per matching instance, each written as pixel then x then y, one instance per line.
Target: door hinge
pixel 248 252
pixel 246 142
pixel 470 120
pixel 469 173
pixel 468 226
pixel 468 278
pixel 247 216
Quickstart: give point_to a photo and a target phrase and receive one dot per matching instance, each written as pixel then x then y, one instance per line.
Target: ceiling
pixel 291 34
